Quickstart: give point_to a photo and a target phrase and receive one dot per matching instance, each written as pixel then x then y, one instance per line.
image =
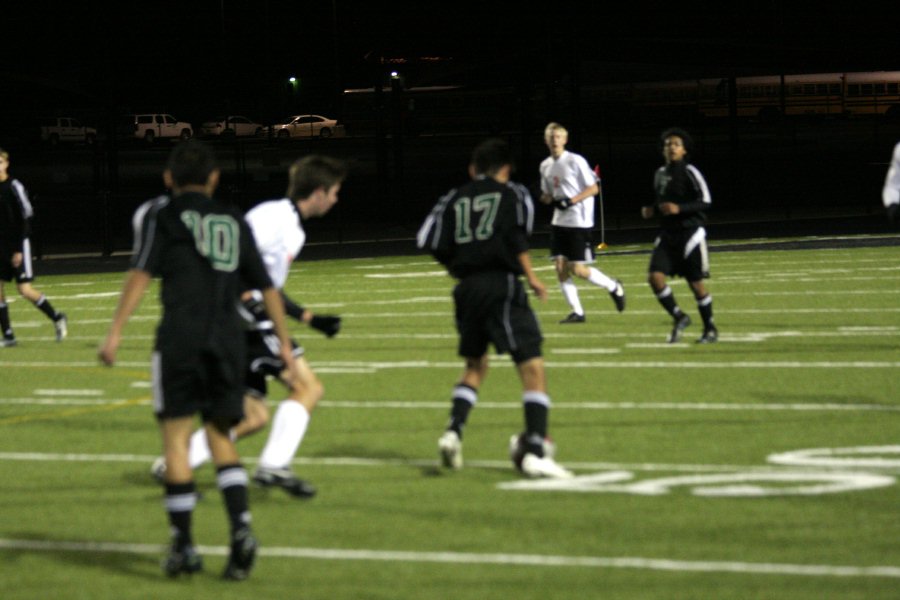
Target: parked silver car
pixel 307 126
pixel 231 125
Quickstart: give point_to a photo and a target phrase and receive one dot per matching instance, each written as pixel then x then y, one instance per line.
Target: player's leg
pixel 536 406
pixel 661 264
pixel 40 301
pixel 464 398
pixel 256 417
pixel 289 427
pixel 569 290
pixel 696 271
pixel 181 496
pixel 9 338
pixel 598 278
pixel 232 481
pixel 705 306
pixel 524 344
pixel 560 250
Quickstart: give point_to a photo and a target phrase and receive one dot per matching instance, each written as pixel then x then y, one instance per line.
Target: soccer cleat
pixel 184 560
pixel 681 324
pixel 243 552
pixel 62 327
pixel 450 447
pixel 574 318
pixel 710 336
pixel 536 467
pixel 618 296
pixel 158 469
pixel 8 342
pixel 285 479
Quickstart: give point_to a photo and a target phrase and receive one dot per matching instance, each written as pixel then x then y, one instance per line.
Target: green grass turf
pixel 814 329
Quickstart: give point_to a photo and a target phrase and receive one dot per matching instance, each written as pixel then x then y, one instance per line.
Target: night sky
pixel 211 55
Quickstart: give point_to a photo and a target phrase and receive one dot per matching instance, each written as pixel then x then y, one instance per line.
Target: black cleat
pixel 285 479
pixel 681 324
pixel 710 336
pixel 618 296
pixel 243 552
pixel 185 560
pixel 574 318
pixel 8 342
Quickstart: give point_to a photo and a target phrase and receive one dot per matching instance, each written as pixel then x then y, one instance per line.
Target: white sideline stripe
pixel 59 401
pixel 408 405
pixel 585 350
pixel 361 461
pixel 62 392
pixel 474 558
pixel 424 364
pixel 712 406
pixel 365 367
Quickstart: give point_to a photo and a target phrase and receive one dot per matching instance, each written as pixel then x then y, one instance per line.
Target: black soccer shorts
pixel 208 382
pixel 263 359
pixel 681 253
pixel 575 244
pixel 493 308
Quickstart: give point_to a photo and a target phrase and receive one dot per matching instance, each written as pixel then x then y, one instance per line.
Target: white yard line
pixel 474 558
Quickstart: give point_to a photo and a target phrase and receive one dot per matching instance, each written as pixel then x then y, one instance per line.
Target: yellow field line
pixel 73 412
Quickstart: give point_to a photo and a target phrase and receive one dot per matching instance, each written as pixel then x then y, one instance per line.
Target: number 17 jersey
pixel 481 226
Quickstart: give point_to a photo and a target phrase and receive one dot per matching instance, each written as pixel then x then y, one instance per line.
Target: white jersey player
pixel 569 184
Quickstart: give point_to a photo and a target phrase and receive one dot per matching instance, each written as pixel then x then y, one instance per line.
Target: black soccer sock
pixel 232 480
pixel 464 399
pixel 181 498
pixel 667 299
pixel 705 306
pixel 45 307
pixel 5 325
pixel 537 412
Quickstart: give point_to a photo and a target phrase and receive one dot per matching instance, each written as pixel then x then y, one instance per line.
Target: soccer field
pixel 763 466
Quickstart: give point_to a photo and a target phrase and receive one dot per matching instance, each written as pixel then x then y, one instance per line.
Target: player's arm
pixel 330 325
pixel 890 194
pixel 136 283
pixel 540 290
pixel 275 310
pixel 701 201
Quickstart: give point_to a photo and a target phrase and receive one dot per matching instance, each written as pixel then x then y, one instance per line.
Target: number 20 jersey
pixel 203 251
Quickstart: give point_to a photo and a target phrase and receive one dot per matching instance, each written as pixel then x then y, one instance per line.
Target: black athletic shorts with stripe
pixel 492 307
pixel 264 359
pixel 681 253
pixel 207 381
pixel 24 273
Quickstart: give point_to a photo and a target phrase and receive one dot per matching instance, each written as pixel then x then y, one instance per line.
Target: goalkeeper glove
pixel 562 203
pixel 327 324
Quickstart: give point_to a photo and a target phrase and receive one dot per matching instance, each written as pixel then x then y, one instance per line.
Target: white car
pixel 232 125
pixel 307 126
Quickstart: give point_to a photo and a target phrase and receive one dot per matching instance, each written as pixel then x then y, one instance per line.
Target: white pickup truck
pixel 66 129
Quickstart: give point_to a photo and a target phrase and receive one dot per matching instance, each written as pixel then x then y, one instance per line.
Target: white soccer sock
pixel 288 429
pixel 199 450
pixel 600 279
pixel 571 294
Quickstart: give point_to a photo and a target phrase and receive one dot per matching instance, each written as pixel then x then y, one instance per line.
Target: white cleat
pixel 450 447
pixel 158 469
pixel 536 467
pixel 62 327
